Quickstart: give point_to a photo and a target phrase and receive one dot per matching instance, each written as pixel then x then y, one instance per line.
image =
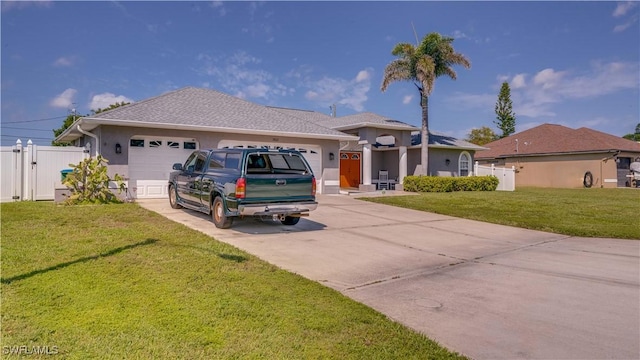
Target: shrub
pixel 449 184
pixel 89 183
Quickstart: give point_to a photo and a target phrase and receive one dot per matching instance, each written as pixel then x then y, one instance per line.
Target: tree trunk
pixel 424 149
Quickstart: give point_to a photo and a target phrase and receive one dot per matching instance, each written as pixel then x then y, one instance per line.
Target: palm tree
pixel 422 64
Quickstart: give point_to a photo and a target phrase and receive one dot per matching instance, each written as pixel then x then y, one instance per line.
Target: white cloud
pixel 219 6
pixel 623 8
pixel 407 99
pixel 64 61
pixel 259 90
pixel 625 26
pixel 102 101
pixel 518 81
pixel 65 99
pixel 547 78
pixel 550 87
pixel 10 5
pixel 239 74
pixel 351 93
pixel 363 75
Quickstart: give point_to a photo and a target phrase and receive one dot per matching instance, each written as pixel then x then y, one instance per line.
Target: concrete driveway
pixel 486 291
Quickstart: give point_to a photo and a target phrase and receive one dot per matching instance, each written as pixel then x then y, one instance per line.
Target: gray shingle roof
pixel 366 119
pixel 210 108
pixel 438 139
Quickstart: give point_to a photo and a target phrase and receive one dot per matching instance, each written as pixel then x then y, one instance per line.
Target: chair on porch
pixel 383 180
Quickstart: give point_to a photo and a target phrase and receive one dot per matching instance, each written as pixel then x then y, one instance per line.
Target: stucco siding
pixel 118 163
pixel 563 171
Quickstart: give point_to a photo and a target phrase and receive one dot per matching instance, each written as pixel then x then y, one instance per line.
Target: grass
pixel 609 213
pixel 118 281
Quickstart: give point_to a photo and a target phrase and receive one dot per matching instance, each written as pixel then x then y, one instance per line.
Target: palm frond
pixel 397 70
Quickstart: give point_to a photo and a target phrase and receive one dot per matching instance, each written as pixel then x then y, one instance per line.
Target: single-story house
pixel 557 156
pixel 142 140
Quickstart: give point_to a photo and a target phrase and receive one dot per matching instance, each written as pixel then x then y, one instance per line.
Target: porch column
pixel 402 156
pixel 366 164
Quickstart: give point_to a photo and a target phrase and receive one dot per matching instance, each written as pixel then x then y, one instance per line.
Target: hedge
pixel 449 184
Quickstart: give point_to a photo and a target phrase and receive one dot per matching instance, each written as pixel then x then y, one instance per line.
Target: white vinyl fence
pixel 32 172
pixel 507 177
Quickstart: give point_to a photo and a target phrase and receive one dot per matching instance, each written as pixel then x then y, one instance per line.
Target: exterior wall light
pixel 118 148
pixel 331 156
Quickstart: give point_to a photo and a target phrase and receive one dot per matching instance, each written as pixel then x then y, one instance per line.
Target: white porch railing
pixel 507 177
pixel 31 172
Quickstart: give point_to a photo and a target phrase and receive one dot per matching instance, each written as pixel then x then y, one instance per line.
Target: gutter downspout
pixel 94 136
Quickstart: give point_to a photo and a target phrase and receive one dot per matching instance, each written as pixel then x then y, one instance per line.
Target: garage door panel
pixel 150 162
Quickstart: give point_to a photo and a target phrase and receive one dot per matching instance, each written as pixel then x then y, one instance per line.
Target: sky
pixel 575 64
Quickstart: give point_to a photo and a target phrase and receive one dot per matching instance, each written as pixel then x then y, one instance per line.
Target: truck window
pixel 232 161
pixel 217 160
pixel 200 161
pixel 191 162
pixel 287 162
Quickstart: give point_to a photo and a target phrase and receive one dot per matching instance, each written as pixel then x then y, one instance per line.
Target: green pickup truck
pixel 231 183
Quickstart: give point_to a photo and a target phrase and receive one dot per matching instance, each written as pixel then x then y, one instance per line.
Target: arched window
pixel 464 163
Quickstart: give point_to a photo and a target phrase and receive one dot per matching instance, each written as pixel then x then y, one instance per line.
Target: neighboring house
pixel 143 140
pixel 557 156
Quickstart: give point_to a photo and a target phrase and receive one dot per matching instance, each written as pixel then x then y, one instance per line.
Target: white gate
pixel 32 172
pixel 507 177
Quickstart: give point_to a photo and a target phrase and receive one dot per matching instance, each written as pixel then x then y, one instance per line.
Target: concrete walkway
pixel 486 291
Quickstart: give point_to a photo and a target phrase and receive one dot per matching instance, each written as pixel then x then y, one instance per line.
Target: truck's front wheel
pixel 220 220
pixel 173 197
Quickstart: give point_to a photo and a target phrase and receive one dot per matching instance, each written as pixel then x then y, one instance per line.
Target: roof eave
pixel 375 125
pixel 504 156
pixel 453 147
pixel 72 134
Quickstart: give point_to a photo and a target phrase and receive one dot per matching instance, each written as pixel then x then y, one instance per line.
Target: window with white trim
pixel 463 163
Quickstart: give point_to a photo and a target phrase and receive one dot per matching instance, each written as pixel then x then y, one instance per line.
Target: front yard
pixel 118 281
pixel 609 213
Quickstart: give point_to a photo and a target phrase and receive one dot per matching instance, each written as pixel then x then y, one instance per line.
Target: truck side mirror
pixel 177 166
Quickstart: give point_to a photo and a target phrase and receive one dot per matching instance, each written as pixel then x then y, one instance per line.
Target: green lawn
pixel 118 281
pixel 613 213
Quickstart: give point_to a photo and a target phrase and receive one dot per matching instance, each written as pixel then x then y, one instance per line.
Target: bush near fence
pixel 449 184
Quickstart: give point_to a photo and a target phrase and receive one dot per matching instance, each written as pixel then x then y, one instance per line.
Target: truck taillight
pixel 313 186
pixel 241 188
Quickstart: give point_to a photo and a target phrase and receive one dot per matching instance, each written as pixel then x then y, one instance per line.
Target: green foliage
pixel 433 57
pixel 481 136
pixel 65 125
pixel 506 118
pixel 73 117
pixel 122 282
pixel 111 107
pixel 595 212
pixel 89 183
pixel 449 184
pixel 635 136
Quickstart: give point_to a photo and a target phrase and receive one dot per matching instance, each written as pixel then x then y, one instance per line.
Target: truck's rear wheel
pixel 218 216
pixel 173 197
pixel 290 220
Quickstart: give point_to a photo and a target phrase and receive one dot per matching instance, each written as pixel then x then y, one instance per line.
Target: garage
pixel 150 162
pixel 311 153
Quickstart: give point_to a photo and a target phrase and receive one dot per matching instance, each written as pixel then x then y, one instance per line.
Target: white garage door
pixel 150 162
pixel 312 153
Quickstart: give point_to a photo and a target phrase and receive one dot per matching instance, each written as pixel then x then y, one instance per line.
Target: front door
pixel 350 169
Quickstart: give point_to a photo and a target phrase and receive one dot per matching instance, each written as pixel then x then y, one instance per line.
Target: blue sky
pixel 569 63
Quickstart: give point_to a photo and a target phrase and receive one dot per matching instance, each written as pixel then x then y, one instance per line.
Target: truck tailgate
pixel 278 188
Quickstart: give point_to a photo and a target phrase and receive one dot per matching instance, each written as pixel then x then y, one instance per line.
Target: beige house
pixel 560 157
